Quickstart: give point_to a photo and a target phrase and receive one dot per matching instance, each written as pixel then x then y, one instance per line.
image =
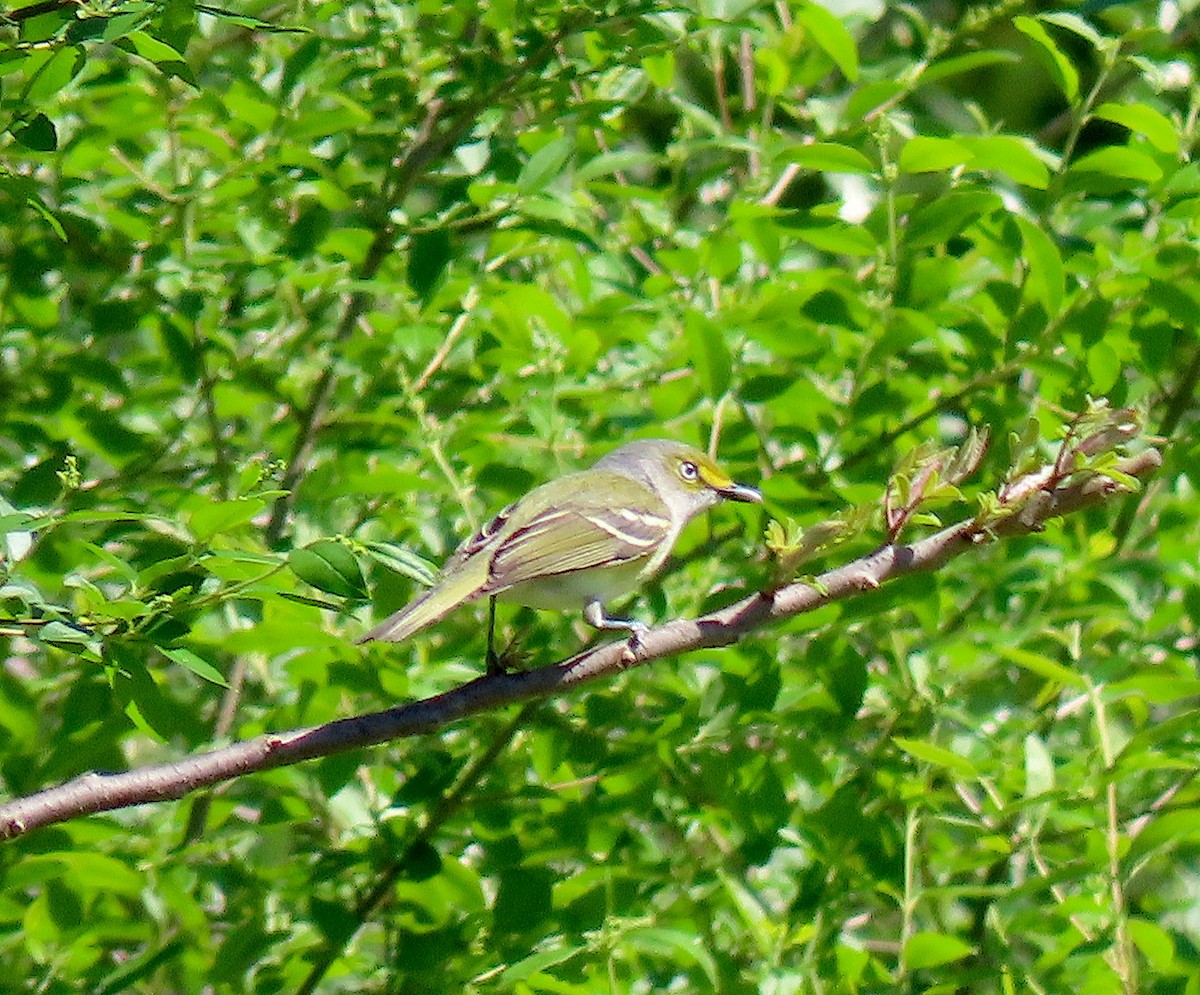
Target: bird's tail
pixel 425 609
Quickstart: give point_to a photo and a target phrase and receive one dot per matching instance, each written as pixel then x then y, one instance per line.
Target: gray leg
pixel 593 614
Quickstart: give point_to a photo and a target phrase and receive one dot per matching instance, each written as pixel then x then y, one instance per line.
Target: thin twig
pixel 470 300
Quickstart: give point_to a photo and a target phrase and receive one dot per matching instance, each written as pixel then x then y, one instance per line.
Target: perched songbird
pixel 578 541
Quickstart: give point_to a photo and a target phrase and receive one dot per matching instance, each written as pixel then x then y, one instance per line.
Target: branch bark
pixel 95 792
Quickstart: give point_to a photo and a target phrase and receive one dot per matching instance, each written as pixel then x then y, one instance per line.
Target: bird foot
pixel 634 643
pixel 511 658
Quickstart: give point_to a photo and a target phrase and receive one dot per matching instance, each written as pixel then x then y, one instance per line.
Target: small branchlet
pixel 929 475
pixel 926 475
pixel 792 546
pixel 1092 443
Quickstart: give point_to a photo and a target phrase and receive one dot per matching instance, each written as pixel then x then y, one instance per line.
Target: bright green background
pixel 444 252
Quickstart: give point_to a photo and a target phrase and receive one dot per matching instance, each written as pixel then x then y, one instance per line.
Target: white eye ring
pixel 688 471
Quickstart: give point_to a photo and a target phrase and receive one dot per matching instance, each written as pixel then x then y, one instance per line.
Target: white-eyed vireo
pixel 578 541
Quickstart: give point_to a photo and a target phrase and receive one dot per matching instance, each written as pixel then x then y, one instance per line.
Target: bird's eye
pixel 688 471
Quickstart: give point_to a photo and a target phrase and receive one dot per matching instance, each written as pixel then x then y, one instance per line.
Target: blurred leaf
pixel 1042 665
pixel 1039 767
pixel 523 900
pixel 329 566
pixel 1064 74
pixel 40 136
pixel 937 755
pixel 1144 121
pixel 926 155
pixel 428 255
pixel 197 665
pixel 926 950
pixel 830 157
pixel 831 36
pixel 545 165
pixel 403 561
pixel 710 355
pixel 673 944
pixel 216 517
pixel 968 62
pixel 1123 163
pixel 1047 280
pixel 1008 155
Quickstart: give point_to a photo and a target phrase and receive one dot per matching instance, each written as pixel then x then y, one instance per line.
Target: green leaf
pixel 329 566
pixel 403 561
pixel 40 136
pixel 829 157
pixel 1076 25
pixel 143 701
pixel 527 967
pixel 1042 665
pixel 1104 367
pixel 943 218
pixel 869 98
pixel 928 155
pixel 1154 943
pixel 674 945
pixel 428 255
pixel 831 37
pixel 152 49
pixel 1064 74
pixel 774 72
pixel 937 755
pixel 523 899
pixel 614 162
pixel 1158 689
pixel 1039 767
pixel 838 237
pixel 968 62
pixel 710 355
pixel 61 634
pixel 1145 121
pixel 55 72
pixel 212 518
pixel 1007 155
pixel 1121 163
pixel 1046 280
pixel 545 165
pixel 660 69
pixel 196 664
pixel 926 950
pixel 48 216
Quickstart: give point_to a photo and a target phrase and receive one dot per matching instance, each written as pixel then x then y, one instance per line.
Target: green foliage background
pixel 402 261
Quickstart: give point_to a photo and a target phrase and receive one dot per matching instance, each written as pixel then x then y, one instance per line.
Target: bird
pixel 577 541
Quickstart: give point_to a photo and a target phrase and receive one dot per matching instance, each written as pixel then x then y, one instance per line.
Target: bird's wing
pixel 558 540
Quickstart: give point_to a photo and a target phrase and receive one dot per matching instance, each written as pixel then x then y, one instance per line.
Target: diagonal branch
pixel 102 792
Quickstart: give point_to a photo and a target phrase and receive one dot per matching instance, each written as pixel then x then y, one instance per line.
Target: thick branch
pixel 103 792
